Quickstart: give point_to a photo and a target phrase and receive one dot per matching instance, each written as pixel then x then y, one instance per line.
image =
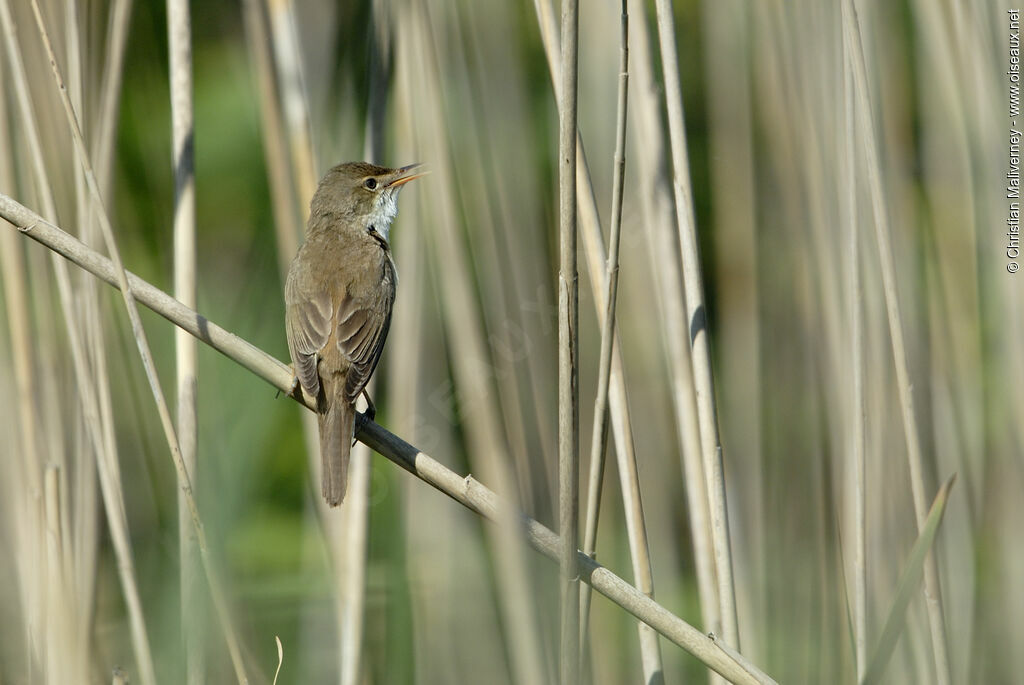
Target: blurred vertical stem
pixel 659 220
pixel 699 334
pixel 479 415
pixel 379 77
pixel 272 42
pixel 599 436
pixel 57 663
pixel 727 46
pixel 179 41
pixel 14 280
pixel 848 196
pixel 110 92
pixel 79 471
pixel 216 590
pixel 355 510
pixel 568 352
pixel 283 202
pixel 104 137
pixel 348 539
pixel 294 127
pixel 864 118
pixel 296 113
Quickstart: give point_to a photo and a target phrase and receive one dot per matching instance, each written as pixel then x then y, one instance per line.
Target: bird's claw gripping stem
pixel 371 409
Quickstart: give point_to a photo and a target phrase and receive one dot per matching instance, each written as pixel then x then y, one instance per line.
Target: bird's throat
pixel 383 214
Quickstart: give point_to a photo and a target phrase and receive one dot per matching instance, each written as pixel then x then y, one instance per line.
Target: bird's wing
pixel 308 327
pixel 362 330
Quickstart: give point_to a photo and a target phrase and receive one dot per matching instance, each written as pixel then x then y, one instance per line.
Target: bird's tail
pixel 337 427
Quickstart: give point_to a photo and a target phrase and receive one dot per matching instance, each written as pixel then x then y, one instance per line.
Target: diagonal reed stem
pixel 465 490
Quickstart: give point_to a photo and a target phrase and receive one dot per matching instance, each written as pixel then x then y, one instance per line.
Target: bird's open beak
pixel 406 174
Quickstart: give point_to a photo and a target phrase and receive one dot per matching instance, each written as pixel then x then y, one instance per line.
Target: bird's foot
pixel 362 418
pixel 371 409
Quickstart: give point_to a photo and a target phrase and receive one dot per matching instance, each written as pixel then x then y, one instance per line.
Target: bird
pixel 339 294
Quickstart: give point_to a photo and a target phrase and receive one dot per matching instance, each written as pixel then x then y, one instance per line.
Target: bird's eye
pixel 370 183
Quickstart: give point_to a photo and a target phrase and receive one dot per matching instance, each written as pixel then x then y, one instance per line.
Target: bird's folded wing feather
pixel 361 334
pixel 308 327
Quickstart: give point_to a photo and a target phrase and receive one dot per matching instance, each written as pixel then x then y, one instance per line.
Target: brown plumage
pixel 338 299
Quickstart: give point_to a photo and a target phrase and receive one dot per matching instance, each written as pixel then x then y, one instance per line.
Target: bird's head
pixel 360 195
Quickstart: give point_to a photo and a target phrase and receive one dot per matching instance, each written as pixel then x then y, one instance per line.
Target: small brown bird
pixel 338 299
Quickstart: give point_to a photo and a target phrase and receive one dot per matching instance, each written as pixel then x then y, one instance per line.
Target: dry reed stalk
pixel 653 669
pixel 802 107
pixel 292 179
pixel 485 180
pixel 593 243
pixel 568 352
pixel 659 220
pixel 436 577
pixel 405 369
pixel 960 69
pixel 83 491
pixel 865 122
pixel 85 519
pixel 296 113
pixel 24 362
pixel 798 70
pixel 848 198
pixel 110 92
pixel 216 589
pixel 380 79
pixel 960 100
pixel 351 558
pixel 17 68
pixel 283 202
pixel 73 53
pixel 599 435
pixel 179 39
pixel 464 489
pixel 57 604
pixel 355 510
pixel 910 579
pixel 25 516
pixel 730 109
pixel 700 344
pixel 99 427
pixel 479 414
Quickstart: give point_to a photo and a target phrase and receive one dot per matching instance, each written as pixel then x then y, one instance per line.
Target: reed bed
pixel 802 327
